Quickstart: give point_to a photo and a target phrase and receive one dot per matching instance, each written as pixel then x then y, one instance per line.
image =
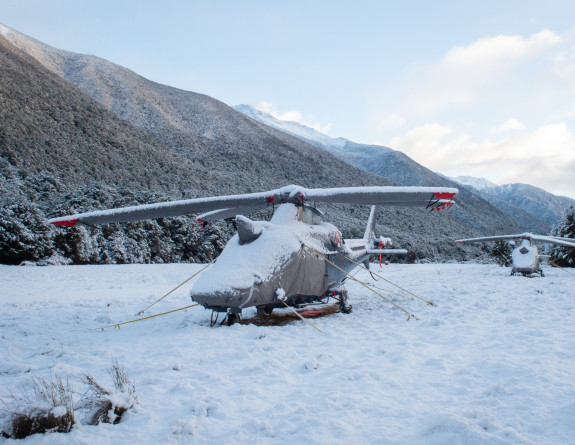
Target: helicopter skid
pixel 266 316
pixel 283 317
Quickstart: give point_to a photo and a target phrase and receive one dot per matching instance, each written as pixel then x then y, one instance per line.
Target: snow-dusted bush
pixel 28 201
pixel 24 233
pixel 108 406
pixel 48 407
pixel 501 251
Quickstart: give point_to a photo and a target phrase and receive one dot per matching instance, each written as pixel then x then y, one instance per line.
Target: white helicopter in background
pixel 293 260
pixel 525 256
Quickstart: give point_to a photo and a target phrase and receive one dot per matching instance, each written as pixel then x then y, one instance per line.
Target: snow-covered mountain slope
pixel 545 205
pixel 477 183
pixel 230 152
pixel 295 128
pixel 510 197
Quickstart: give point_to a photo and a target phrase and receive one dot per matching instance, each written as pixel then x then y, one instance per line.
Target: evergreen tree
pixel 25 234
pixel 564 256
pixel 501 251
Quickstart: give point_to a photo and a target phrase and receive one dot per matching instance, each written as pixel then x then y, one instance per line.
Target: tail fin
pixel 369 234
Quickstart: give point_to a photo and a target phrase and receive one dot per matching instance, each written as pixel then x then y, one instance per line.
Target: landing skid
pixel 297 302
pixel 283 317
pixel 527 274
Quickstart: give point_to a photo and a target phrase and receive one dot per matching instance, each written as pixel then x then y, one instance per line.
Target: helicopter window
pixel 524 250
pixel 310 215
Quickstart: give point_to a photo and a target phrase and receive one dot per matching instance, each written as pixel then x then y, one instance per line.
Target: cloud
pixel 291 116
pixel 544 157
pixel 461 77
pixel 500 107
pixel 510 125
pixel 493 51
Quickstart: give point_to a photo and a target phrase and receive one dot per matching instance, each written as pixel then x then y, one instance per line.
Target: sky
pixel 483 89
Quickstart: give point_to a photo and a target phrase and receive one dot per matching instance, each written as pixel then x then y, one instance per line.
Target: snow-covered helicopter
pixel 292 260
pixel 525 256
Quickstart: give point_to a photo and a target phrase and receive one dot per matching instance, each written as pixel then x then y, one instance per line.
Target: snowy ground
pixel 494 362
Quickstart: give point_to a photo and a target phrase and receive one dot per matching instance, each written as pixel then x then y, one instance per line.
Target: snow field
pixel 494 362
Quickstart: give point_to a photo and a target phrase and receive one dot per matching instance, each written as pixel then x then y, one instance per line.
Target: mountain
pixel 301 131
pixel 85 120
pixel 518 199
pixel 534 200
pixel 477 183
pixel 49 127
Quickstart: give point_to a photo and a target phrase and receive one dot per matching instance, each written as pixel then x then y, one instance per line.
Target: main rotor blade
pixel 567 242
pixel 224 206
pixel 529 236
pixel 490 238
pixel 386 196
pixel 253 201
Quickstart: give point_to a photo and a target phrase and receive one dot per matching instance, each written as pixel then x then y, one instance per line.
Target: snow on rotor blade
pixel 386 196
pixel 226 213
pixel 221 206
pixel 555 240
pixel 530 236
pixel 253 201
pixel 488 238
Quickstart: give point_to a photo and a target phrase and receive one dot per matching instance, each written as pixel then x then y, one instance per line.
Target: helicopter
pixel 293 260
pixel 525 256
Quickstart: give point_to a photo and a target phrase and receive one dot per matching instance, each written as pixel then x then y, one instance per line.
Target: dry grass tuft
pixel 109 406
pixel 48 408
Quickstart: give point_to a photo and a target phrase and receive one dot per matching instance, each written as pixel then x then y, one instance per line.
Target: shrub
pixel 109 406
pixel 501 251
pixel 49 408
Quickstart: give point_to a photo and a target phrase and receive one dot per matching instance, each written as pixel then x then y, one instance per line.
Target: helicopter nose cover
pixel 525 257
pixel 249 274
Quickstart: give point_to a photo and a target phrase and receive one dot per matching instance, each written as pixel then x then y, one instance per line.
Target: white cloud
pixel 544 157
pixel 291 116
pixel 510 125
pixel 488 52
pixel 474 90
pixel 461 77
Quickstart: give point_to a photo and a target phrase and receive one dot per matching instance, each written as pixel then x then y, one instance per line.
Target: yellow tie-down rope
pixel 431 303
pixel 177 287
pixel 117 325
pixel 311 249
